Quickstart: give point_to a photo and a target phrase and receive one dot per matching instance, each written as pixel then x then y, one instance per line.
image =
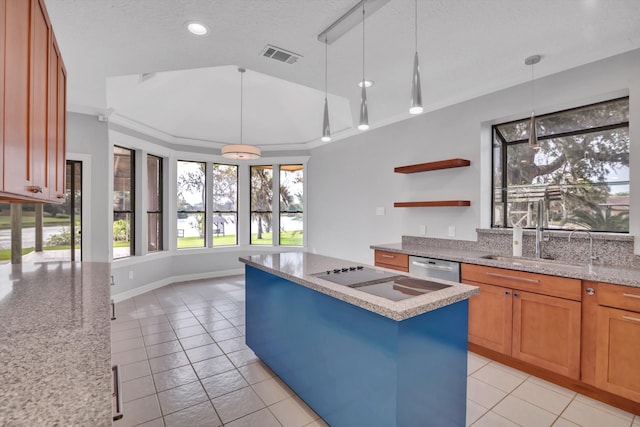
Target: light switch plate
pixel 452 231
pixel 423 230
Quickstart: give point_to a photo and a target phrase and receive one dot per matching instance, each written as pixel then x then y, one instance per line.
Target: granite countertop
pixel 55 345
pixel 627 276
pixel 298 267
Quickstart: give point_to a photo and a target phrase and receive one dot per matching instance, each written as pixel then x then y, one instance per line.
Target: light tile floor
pixel 184 363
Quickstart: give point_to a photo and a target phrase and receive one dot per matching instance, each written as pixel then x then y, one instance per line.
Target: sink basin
pixel 532 261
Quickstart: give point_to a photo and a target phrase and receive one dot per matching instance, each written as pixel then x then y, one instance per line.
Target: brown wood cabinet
pixel 34 103
pixel 521 315
pixel 612 338
pixel 392 260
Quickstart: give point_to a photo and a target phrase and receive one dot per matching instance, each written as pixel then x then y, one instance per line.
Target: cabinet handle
pixel 388 256
pixel 113 310
pixel 631 295
pixel 515 294
pixel 506 292
pixel 519 279
pixel 590 291
pixel 60 196
pixel 633 319
pixel 117 392
pixel 113 282
pixel 34 188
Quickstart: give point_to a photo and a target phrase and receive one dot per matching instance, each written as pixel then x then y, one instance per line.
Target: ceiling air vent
pixel 280 54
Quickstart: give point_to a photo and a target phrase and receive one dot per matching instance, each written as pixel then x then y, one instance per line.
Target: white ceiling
pixel 467 48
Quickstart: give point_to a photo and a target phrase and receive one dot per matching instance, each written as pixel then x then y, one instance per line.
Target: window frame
pixel 280 204
pixel 191 212
pixel 496 134
pixel 159 204
pixel 132 204
pixel 215 212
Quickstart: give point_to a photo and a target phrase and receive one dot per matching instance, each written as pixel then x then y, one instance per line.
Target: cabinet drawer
pixel 392 259
pixel 619 296
pixel 538 283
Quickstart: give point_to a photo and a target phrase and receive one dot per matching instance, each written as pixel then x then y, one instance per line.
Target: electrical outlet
pixel 423 230
pixel 131 275
pixel 380 211
pixel 452 231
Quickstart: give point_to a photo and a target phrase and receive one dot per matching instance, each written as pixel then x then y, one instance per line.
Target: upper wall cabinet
pixel 32 105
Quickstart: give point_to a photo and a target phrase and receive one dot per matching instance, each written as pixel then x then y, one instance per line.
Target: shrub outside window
pixel 191 202
pixel 580 169
pixel 291 202
pixel 123 202
pixel 225 205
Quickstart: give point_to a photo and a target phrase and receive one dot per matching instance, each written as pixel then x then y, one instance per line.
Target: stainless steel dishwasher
pixel 430 267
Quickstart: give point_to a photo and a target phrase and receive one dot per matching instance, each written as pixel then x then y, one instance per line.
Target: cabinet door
pixel 37 172
pixel 16 99
pixel 618 347
pixel 546 332
pixel 56 117
pixel 490 317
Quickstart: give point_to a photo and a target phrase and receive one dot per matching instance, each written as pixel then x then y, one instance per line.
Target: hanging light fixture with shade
pixel 364 111
pixel 241 151
pixel 326 128
pixel 533 134
pixel 416 90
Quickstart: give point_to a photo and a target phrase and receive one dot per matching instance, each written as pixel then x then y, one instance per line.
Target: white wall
pixel 348 179
pixel 89 138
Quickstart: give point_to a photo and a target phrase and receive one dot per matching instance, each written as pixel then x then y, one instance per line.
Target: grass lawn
pixel 5 254
pixel 30 221
pixel 287 238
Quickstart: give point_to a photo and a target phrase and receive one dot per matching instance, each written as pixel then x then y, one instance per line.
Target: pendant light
pixel 533 135
pixel 326 129
pixel 241 151
pixel 364 111
pixel 416 91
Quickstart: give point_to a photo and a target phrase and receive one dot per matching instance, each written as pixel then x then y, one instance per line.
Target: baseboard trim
pixel 173 279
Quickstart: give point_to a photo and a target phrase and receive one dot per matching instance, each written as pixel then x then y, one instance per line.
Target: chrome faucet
pixel 539 228
pixel 591 257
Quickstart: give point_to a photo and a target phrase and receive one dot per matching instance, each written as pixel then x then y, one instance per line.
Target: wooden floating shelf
pixel 437 203
pixel 432 166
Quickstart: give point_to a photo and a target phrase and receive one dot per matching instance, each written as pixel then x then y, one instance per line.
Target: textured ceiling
pixel 467 48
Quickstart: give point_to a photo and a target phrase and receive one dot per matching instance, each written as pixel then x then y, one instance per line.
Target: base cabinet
pixel 539 329
pixel 392 260
pixel 610 363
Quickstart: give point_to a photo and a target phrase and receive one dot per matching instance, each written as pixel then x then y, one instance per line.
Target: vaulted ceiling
pixel 467 48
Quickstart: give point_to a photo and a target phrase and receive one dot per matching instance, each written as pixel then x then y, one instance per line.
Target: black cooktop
pixel 358 275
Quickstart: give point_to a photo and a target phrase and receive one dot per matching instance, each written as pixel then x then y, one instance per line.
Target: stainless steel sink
pixel 532 261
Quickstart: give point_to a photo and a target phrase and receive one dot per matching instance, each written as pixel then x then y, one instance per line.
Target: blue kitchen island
pixel 357 358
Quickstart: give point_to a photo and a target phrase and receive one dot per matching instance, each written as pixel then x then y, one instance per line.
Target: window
pixel 191 202
pixel 580 169
pixel 154 203
pixel 123 202
pixel 291 212
pixel 225 205
pixel 261 205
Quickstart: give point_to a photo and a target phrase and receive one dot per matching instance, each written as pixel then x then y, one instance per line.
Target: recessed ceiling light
pixel 197 28
pixel 367 83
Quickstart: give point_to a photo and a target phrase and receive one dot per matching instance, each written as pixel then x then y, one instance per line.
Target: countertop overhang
pixel 597 273
pixel 299 267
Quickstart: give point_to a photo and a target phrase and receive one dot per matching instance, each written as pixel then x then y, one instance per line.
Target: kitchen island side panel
pixel 355 367
pixel 432 367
